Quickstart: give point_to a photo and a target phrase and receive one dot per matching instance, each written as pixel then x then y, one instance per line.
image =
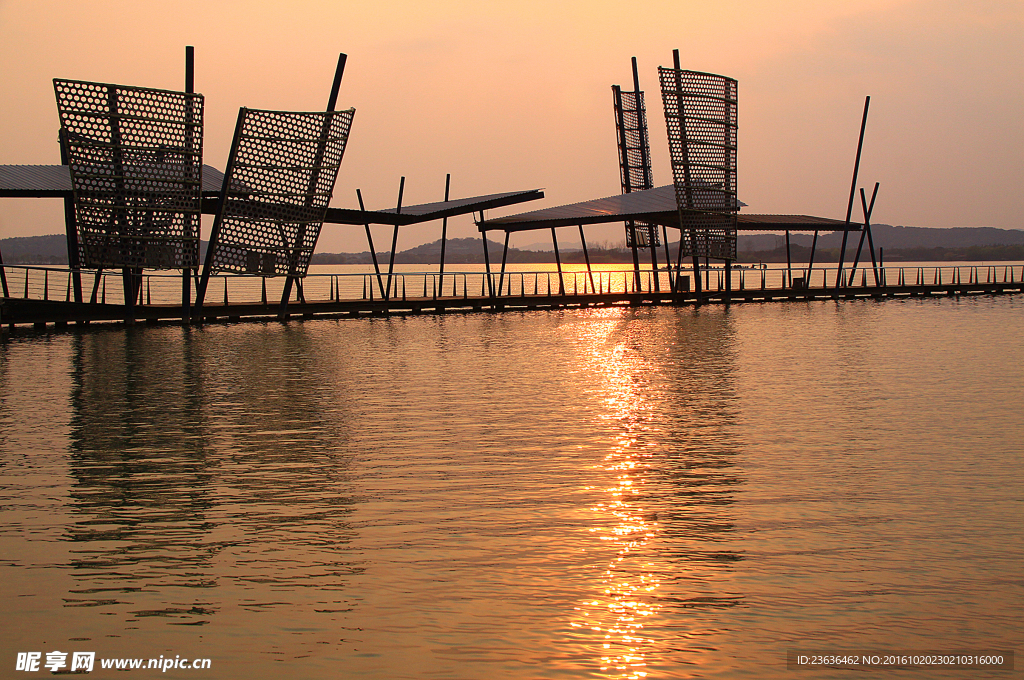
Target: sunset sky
pixel 517 95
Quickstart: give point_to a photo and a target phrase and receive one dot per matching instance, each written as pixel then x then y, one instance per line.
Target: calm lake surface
pixel 616 493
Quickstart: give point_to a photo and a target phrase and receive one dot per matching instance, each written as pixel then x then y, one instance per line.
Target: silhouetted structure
pixel 278 182
pixel 635 164
pixel 135 160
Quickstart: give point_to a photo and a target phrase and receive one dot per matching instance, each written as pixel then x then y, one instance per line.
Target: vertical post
pixel 728 281
pixel 586 256
pixel 369 240
pixel 444 232
pixel 70 226
pixel 686 170
pixel 3 277
pixel 394 238
pixel 668 257
pixel 654 257
pixel 853 190
pixel 127 273
pixel 789 265
pixel 186 269
pixel 487 258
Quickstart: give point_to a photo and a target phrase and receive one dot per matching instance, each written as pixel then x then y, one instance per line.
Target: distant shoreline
pixel 51 250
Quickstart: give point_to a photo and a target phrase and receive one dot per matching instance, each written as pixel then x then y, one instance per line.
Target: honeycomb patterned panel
pixel 701 118
pixel 634 147
pixel 135 156
pixel 280 179
pixel 709 235
pixel 634 159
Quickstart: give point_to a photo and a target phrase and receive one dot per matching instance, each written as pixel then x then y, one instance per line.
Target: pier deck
pixel 353 295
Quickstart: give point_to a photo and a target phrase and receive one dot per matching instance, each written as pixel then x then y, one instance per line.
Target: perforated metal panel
pixel 135 157
pixel 700 115
pixel 634 159
pixel 280 176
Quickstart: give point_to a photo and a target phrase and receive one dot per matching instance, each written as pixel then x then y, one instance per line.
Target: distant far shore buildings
pixel 901 244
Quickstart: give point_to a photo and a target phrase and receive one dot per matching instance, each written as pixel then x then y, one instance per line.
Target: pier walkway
pixel 36 297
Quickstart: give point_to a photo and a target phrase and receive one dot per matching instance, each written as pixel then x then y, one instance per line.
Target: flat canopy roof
pixel 428 212
pixel 54 181
pixel 656 206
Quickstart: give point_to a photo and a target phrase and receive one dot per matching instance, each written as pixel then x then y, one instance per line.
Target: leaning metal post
pixel 394 239
pixel 620 125
pixel 211 247
pixel 444 232
pixel 504 258
pixel 487 258
pixel 853 191
pixel 369 240
pixel 864 231
pixel 314 179
pixel 867 225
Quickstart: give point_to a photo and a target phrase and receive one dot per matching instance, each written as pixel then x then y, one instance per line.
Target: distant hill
pixel 51 249
pixel 900 243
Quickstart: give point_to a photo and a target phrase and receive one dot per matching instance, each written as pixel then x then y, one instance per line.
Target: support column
pixel 728 281
pixel 186 267
pixel 71 228
pixel 487 259
pixel 558 262
pixel 3 277
pixel 586 256
pixel 789 264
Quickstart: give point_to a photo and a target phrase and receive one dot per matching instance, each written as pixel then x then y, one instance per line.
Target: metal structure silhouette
pixel 135 158
pixel 278 182
pixel 700 114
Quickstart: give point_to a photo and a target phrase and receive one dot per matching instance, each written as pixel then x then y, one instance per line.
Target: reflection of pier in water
pixel 154 515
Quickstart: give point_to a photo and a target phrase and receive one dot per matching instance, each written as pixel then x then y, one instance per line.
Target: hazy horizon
pixel 517 96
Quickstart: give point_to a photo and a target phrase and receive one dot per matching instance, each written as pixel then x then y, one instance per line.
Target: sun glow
pixel 628 585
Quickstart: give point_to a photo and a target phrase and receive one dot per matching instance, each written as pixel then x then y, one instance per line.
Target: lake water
pixel 614 493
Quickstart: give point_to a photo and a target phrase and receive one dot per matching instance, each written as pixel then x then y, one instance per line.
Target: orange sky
pixel 517 96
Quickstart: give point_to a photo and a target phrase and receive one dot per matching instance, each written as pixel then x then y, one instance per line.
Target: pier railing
pixel 105 287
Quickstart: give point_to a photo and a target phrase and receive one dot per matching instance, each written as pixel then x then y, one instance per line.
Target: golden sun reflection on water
pixel 616 615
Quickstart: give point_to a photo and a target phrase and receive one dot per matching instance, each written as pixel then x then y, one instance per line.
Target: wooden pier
pixel 469 293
